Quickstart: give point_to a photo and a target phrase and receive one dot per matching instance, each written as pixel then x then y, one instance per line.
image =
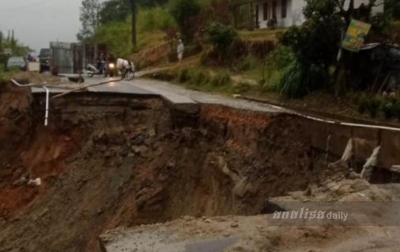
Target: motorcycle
pixel 92 70
pixel 111 71
pixel 129 73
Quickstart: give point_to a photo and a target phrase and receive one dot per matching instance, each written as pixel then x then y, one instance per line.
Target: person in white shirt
pixel 123 65
pixel 180 50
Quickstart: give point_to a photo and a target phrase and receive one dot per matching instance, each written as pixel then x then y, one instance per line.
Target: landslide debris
pixel 110 161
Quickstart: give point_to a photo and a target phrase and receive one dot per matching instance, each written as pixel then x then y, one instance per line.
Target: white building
pixel 290 12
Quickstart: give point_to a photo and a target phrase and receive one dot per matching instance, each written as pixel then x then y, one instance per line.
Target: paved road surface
pixel 186 99
pixel 173 93
pixel 200 97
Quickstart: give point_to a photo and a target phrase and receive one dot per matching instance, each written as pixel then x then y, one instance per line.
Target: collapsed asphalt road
pixel 120 155
pixel 174 94
pixel 108 159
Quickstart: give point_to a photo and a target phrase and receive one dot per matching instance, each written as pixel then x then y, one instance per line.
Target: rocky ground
pixel 257 233
pixel 108 161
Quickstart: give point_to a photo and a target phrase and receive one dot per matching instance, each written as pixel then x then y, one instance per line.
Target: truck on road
pixel 45 59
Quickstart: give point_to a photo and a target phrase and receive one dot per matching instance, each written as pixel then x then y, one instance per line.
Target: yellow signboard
pixel 356 33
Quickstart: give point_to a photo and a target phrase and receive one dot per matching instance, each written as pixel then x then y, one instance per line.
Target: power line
pixel 26 6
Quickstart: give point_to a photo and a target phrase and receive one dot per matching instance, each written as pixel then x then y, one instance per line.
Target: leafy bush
pixel 221 79
pixel 222 38
pixel 281 57
pixel 362 101
pixel 247 63
pixel 317 8
pixel 373 105
pixel 277 63
pixel 356 97
pixel 380 22
pixel 299 79
pixel 315 47
pixel 387 107
pixel 201 78
pixel 272 83
pixel 185 75
pixel 392 7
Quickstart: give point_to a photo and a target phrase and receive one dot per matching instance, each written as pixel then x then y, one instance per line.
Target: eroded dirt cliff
pixel 107 161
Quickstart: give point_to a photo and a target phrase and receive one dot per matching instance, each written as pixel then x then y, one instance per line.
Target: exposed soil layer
pixel 107 161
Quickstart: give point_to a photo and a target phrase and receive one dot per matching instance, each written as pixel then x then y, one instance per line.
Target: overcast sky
pixel 37 22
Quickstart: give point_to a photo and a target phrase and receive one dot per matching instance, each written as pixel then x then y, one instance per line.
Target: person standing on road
pixel 180 50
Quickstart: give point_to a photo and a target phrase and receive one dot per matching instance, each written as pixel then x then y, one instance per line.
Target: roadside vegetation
pixel 284 64
pixel 151 23
pixel 6 76
pixel 10 42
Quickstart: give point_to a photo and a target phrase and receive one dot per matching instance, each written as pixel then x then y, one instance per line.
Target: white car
pixel 17 63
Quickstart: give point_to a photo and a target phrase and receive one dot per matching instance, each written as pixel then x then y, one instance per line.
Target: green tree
pixel 115 10
pixel 117 37
pixel 222 38
pixel 119 10
pixel 315 45
pixel 392 7
pixel 18 49
pixel 89 17
pixel 184 13
pixel 1 41
pixel 317 40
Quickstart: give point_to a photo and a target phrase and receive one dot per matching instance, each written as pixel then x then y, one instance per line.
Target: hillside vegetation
pixel 298 62
pixel 150 25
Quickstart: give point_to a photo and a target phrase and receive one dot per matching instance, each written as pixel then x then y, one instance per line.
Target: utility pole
pixel 134 39
pixel 13 39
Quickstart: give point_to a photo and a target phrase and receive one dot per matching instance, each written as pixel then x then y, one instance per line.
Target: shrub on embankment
pixel 204 80
pixel 387 106
pixel 199 79
pixel 229 50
